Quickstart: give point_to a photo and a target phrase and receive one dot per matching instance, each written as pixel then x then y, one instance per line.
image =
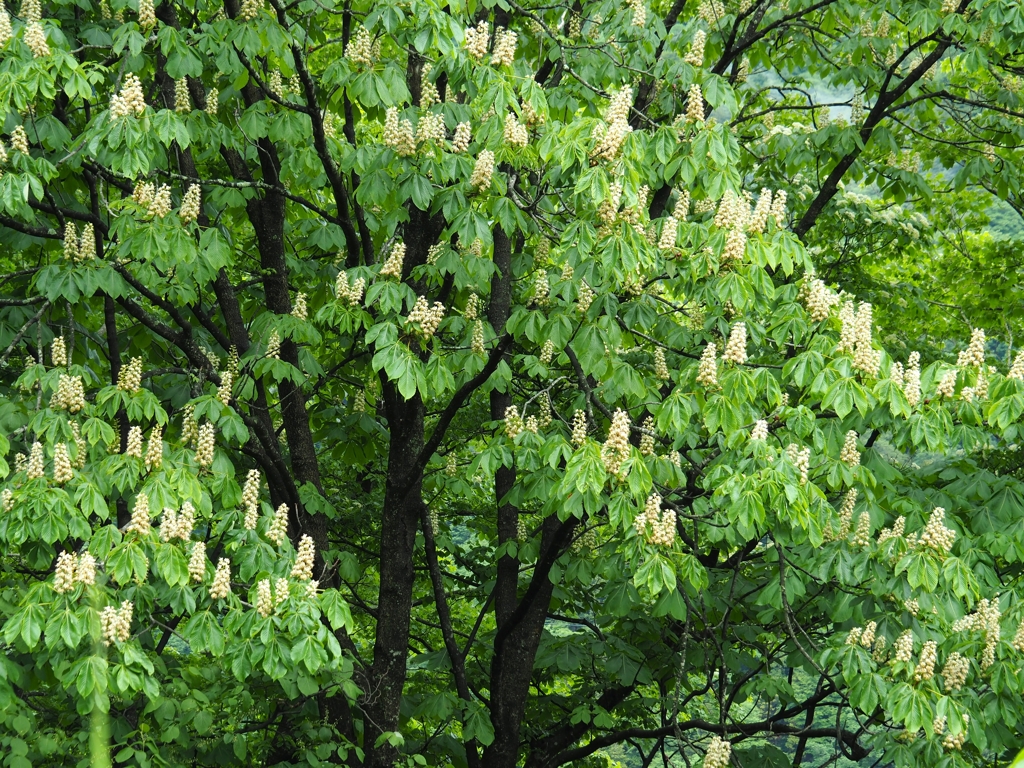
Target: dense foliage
pixel 435 384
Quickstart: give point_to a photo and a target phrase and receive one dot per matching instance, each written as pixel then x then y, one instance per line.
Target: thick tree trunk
pixel 515 647
pixel 504 479
pixel 403 504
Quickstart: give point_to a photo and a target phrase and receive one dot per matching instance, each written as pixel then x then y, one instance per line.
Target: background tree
pixel 565 448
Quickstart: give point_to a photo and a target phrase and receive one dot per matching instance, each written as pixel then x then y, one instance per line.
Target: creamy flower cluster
pixel 70 394
pixel 936 535
pixel 178 525
pixel 116 623
pixel 850 454
pixel 855 337
pixel 191 204
pixel 655 525
pixel 393 266
pixel 251 500
pixel 360 48
pixel 73 569
pixel 719 753
pixel 221 586
pixel 609 138
pixel 579 428
pixel 398 133
pixel 426 318
pixel 504 47
pixel 483 171
pixel 130 100
pixel 303 568
pixel 736 346
pixel 615 450
pixel 707 370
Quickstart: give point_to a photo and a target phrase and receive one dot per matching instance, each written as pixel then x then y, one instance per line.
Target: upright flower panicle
pixel 303 568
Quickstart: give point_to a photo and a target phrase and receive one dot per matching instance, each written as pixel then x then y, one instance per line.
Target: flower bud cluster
pixel 855 337
pixel 427 318
pixel 190 204
pixel 129 379
pixel 59 352
pixel 251 499
pixel 303 568
pixel 760 430
pixel 221 586
pixel 669 233
pixel 974 355
pixel 133 445
pixel 483 171
pixel 695 56
pixel 463 135
pixel 515 133
pixel 818 299
pixel 647 437
pixel 504 47
pixel 957 741
pixel 393 266
pixel 954 673
pixel 19 139
pixel 707 370
pixel 936 535
pixel 850 454
pixel 140 516
pixel 719 753
pixel 205 444
pixel 431 128
pixel 476 40
pixel 264 600
pixel 846 513
pixel 801 459
pixel 35 468
pixel 64 574
pixel 639 12
pixel 609 208
pixel 660 365
pixel 912 379
pixel 70 394
pixel 178 525
pixel 585 297
pixel 579 428
pixel 116 623
pixel 6 30
pixel 904 647
pixel 348 294
pixel 160 205
pixel 428 90
pixel 182 99
pixel 360 48
pixel 62 471
pixel 130 100
pixel 35 39
pixel 926 663
pixel 212 99
pixel 736 347
pixel 695 104
pixel 759 218
pixel 892 533
pixel 862 535
pixel 300 311
pixel 274 345
pixel 197 562
pixel 615 450
pixel 657 526
pixel 278 531
pixel 609 138
pixel 398 134
pixel 155 448
pixel 250 9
